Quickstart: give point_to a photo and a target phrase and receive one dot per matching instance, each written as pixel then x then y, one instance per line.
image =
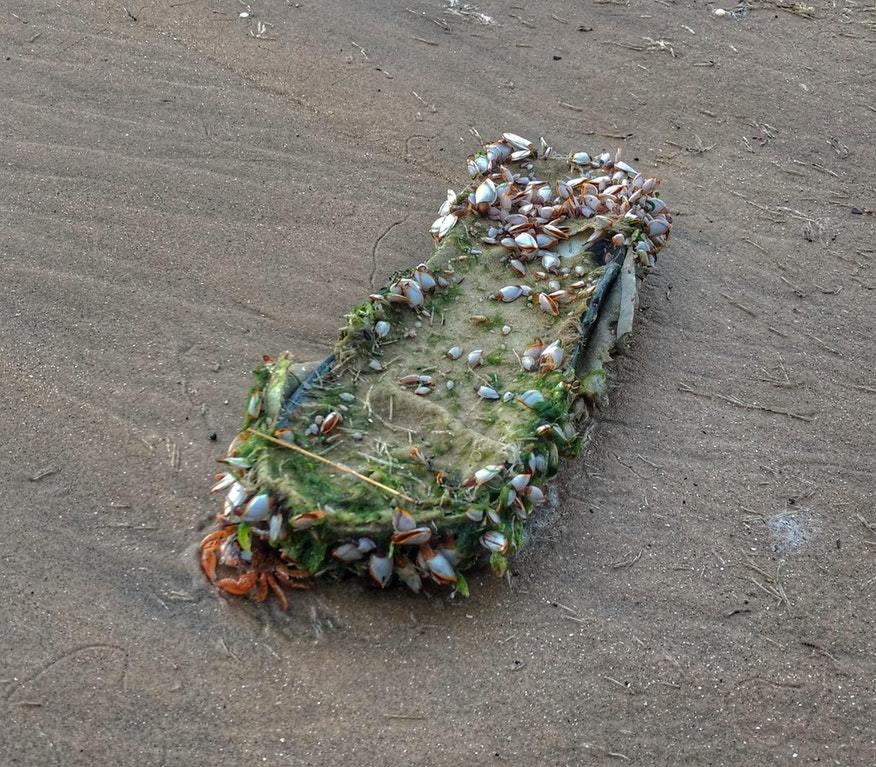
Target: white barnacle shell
pixel 380 569
pixel 525 241
pixel 531 398
pixel 347 553
pixel 258 508
pixel 517 141
pixel 520 481
pixel 485 193
pixel 454 352
pixel 487 392
pixel 441 226
pixel 509 293
pixel 484 475
pixel 493 540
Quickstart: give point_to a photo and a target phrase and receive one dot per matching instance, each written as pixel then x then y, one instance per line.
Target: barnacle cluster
pixel 422 444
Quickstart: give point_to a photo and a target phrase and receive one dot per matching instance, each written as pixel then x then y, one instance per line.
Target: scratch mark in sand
pixel 123 678
pixel 386 231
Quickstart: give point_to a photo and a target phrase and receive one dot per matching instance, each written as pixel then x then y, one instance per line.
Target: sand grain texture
pixel 180 197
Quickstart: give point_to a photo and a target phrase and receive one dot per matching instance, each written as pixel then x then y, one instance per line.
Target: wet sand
pixel 180 197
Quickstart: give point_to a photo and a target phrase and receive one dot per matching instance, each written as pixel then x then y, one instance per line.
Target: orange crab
pixel 209 548
pixel 266 570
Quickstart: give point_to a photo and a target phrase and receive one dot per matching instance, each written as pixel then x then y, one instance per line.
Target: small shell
pixel 380 569
pixel 509 293
pixel 551 357
pixel 347 553
pixel 518 142
pixel 475 515
pixel 402 521
pixel 535 494
pixel 332 420
pixel 520 481
pixel 655 205
pixel 560 232
pixel 550 262
pixel 454 352
pixel 548 304
pixel 304 521
pixel 445 206
pixel 258 508
pixel 526 241
pixel 254 406
pixel 381 329
pixel 375 364
pixel 484 475
pixel 488 392
pixel 476 357
pixel 416 537
pixel 545 240
pixel 365 545
pixel 531 398
pixel 579 158
pixel 506 329
pixel 518 267
pixel 413 292
pixel 407 573
pixel 275 528
pixel 237 495
pixel 236 461
pixel 422 391
pixel 493 540
pixel 426 281
pixel 226 480
pixel 443 225
pixel 657 227
pixel 485 193
pixel 441 570
pixel 537 463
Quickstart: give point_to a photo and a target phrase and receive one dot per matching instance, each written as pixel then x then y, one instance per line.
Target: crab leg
pixel 209 546
pixel 285 577
pixel 278 592
pixel 239 586
pixel 262 588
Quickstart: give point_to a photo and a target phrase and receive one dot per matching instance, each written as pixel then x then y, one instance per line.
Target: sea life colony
pixel 422 445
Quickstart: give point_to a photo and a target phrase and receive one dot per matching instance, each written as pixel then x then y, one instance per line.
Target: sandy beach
pixel 185 188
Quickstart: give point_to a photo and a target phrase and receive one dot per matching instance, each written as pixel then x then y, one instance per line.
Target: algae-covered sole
pixel 422 444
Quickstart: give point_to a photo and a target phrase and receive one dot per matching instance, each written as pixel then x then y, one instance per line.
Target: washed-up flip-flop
pixel 423 443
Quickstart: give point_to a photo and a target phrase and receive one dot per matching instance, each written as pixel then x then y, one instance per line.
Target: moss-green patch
pixel 496 357
pixel 494 321
pixel 594 384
